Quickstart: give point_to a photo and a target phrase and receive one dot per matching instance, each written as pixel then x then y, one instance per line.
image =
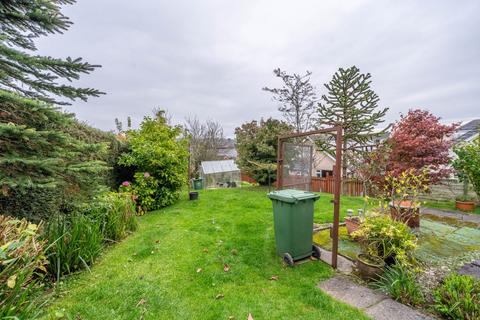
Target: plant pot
pixel 406 213
pixel 465 205
pixel 193 195
pixel 369 268
pixel 352 224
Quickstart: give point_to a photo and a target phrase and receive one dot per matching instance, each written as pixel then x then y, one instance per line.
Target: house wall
pixel 322 161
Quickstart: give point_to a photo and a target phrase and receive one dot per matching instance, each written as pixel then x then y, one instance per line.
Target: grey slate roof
pixel 467 130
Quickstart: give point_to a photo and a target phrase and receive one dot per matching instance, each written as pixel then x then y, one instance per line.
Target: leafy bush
pixel 400 284
pixel 257 148
pixel 22 266
pixel 75 241
pixel 458 297
pixel 160 154
pixel 391 240
pixel 467 163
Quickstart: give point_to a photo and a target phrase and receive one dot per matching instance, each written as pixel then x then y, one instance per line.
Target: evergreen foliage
pixel 352 104
pixel 32 75
pixel 48 160
pixel 257 145
pixel 297 99
pixel 159 154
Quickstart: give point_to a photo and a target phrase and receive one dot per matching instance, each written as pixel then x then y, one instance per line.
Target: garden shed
pixel 220 174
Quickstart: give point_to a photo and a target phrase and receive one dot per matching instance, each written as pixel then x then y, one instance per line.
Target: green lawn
pixel 447 205
pixel 173 267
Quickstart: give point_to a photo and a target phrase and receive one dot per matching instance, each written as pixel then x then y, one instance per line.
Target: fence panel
pixel 350 187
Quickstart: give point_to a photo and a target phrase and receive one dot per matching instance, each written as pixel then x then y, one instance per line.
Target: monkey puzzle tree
pixel 352 104
pixel 37 76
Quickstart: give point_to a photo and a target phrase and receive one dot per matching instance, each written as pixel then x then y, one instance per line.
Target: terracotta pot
pixel 465 205
pixel 410 215
pixel 352 224
pixel 369 268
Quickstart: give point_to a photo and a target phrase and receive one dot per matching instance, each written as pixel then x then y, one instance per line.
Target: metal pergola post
pixel 337 177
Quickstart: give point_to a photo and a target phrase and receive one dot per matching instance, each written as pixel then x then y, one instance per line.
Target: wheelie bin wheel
pixel 287 258
pixel 316 253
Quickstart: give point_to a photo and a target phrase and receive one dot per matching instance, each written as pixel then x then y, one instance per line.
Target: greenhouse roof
pixel 209 167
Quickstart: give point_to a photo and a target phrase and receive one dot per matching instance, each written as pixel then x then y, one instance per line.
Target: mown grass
pixel 173 267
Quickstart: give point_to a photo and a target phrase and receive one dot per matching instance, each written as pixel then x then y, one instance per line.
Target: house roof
pixel 209 167
pixel 467 131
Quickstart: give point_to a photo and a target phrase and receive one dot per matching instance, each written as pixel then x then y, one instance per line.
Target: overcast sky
pixel 211 58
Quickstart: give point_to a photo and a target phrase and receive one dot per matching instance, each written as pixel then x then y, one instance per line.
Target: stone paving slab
pixel 343 289
pixel 468 217
pixel 376 305
pixel 344 265
pixel 471 269
pixel 389 309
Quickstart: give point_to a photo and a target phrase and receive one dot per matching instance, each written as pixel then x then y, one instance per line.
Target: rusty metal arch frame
pixel 337 176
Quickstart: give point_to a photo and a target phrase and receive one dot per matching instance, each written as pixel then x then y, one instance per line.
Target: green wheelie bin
pixel 198 184
pixel 293 223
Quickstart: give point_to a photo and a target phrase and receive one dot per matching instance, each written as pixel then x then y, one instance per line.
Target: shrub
pixel 75 242
pixel 467 163
pixel 400 284
pixel 391 240
pixel 160 154
pixel 458 297
pixel 257 147
pixel 22 266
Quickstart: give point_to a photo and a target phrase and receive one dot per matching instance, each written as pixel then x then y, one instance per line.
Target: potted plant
pixel 369 267
pixel 465 202
pixel 353 222
pixel 383 239
pixel 467 164
pixel 402 192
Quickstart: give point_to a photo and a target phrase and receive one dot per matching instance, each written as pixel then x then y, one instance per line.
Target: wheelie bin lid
pixel 292 196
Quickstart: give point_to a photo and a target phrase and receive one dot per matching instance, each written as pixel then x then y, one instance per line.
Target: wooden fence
pixel 350 187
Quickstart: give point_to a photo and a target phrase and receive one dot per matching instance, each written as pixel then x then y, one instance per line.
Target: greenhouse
pixel 220 174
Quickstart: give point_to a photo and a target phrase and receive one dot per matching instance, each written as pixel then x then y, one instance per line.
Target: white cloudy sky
pixel 211 58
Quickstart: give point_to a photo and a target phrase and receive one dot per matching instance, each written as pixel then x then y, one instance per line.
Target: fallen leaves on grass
pixel 274 278
pixel 141 302
pixel 250 317
pixel 219 296
pixel 205 250
pixel 199 270
pixel 226 267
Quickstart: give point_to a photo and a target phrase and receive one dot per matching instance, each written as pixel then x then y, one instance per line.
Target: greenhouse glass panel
pixel 220 174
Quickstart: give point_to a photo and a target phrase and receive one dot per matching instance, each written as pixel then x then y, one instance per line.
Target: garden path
pixel 376 305
pixel 466 217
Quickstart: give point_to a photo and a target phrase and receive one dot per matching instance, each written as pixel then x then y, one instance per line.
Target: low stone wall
pixel 447 190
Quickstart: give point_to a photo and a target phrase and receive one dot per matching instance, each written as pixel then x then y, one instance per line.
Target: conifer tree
pixel 35 76
pixel 47 158
pixel 352 104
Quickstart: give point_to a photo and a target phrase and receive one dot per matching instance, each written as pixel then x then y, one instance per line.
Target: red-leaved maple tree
pixel 419 141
